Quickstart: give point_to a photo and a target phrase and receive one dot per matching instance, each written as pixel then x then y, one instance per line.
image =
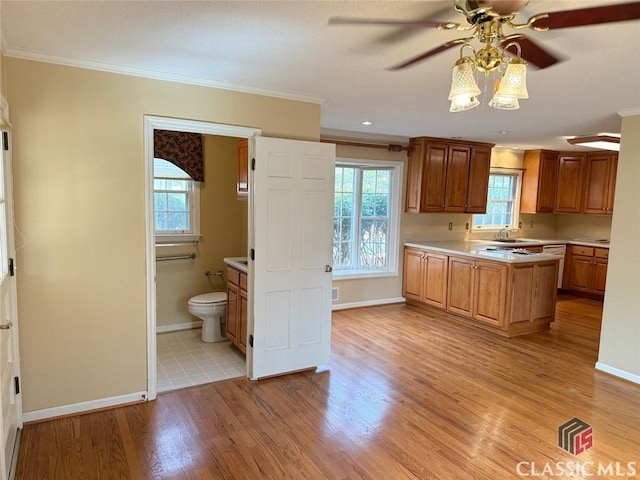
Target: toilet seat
pixel 212 298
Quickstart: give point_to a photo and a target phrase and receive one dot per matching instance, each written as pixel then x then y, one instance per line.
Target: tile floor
pixel 184 360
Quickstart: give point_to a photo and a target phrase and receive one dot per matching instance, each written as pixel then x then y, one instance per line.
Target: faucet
pixel 506 234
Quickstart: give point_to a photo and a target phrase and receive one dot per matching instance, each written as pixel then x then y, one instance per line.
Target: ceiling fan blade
pixel 401 34
pixel 590 16
pixel 532 52
pixel 381 21
pixel 430 53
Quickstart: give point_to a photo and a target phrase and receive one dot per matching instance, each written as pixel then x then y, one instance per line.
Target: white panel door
pixel 292 203
pixel 10 406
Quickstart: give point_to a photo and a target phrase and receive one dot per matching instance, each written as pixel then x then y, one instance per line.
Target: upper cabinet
pixel 600 182
pixel 570 181
pixel 445 176
pixel 539 181
pixel 243 169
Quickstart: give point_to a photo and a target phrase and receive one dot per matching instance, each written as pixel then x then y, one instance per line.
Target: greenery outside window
pixel 176 203
pixel 503 201
pixel 366 213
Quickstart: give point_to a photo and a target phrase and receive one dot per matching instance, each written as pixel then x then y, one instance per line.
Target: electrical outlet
pixel 466 226
pixel 519 224
pixel 531 224
pixel 450 225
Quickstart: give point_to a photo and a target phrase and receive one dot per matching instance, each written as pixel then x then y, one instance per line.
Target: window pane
pixel 500 202
pixel 177 185
pixel 160 201
pixel 177 201
pixel 161 221
pixel 361 217
pixel 178 221
pixel 159 184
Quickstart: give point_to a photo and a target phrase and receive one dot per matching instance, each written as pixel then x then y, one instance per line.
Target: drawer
pixel 580 250
pixel 243 281
pixel 602 253
pixel 233 276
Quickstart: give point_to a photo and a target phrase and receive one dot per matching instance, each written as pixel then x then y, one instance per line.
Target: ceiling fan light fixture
pixel 464 89
pixel 514 81
pixel 463 102
pixel 504 103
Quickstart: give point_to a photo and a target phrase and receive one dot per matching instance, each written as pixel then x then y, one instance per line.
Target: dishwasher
pixel 560 251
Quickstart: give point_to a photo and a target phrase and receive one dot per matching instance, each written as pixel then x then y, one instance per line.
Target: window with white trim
pixel 366 218
pixel 176 203
pixel 503 201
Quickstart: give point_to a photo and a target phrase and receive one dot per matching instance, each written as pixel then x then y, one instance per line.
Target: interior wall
pixel 78 153
pixel 620 333
pixel 223 227
pixel 596 226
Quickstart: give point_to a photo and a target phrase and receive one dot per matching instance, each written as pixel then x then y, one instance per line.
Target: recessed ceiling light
pixel 504 132
pixel 367 123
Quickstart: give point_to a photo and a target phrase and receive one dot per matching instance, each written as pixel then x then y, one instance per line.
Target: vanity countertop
pixel 239 263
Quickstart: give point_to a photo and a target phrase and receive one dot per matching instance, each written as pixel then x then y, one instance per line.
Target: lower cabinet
pixel 237 308
pixel 507 298
pixel 586 269
pixel 477 289
pixel 425 277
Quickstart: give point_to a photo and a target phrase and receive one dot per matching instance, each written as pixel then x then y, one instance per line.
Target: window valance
pixel 182 149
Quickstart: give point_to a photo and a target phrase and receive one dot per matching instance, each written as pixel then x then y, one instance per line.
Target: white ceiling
pixel 287 49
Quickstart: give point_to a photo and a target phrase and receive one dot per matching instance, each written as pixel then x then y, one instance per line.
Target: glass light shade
pixel 463 102
pixel 504 103
pixel 462 81
pixel 514 81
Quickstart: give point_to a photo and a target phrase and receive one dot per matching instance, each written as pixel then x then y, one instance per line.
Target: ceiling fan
pixel 486 19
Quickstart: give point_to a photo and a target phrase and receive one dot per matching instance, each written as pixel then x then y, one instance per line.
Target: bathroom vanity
pixel 236 324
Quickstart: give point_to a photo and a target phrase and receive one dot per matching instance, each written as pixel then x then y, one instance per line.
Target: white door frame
pixel 6 157
pixel 152 123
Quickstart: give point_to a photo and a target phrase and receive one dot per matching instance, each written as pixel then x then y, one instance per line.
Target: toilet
pixel 212 309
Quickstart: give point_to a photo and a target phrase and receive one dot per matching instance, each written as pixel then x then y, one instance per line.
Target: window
pixel 365 227
pixel 176 203
pixel 503 201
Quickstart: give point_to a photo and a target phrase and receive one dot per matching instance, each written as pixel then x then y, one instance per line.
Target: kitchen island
pixel 507 290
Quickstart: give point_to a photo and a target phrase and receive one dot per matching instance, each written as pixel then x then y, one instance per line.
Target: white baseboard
pixel 178 326
pixel 83 407
pixel 368 303
pixel 632 377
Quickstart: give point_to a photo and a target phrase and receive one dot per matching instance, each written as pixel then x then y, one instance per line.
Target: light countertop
pixel 484 250
pixel 239 263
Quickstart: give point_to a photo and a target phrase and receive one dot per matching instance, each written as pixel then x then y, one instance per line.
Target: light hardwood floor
pixel 406 396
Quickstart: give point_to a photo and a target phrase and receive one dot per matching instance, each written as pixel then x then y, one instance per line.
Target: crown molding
pixel 136 72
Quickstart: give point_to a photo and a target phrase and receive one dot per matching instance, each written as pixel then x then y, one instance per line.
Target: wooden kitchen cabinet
pixel 586 269
pixel 242 187
pixel 236 321
pixel 477 289
pixel 478 183
pixel 539 181
pixel 599 183
pixel 425 277
pixel 507 298
pixel 445 176
pixel 570 183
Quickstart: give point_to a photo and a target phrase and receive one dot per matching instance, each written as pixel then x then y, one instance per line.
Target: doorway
pixel 180 340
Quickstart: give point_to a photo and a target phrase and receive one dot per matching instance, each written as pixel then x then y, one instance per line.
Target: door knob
pixel 6 326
